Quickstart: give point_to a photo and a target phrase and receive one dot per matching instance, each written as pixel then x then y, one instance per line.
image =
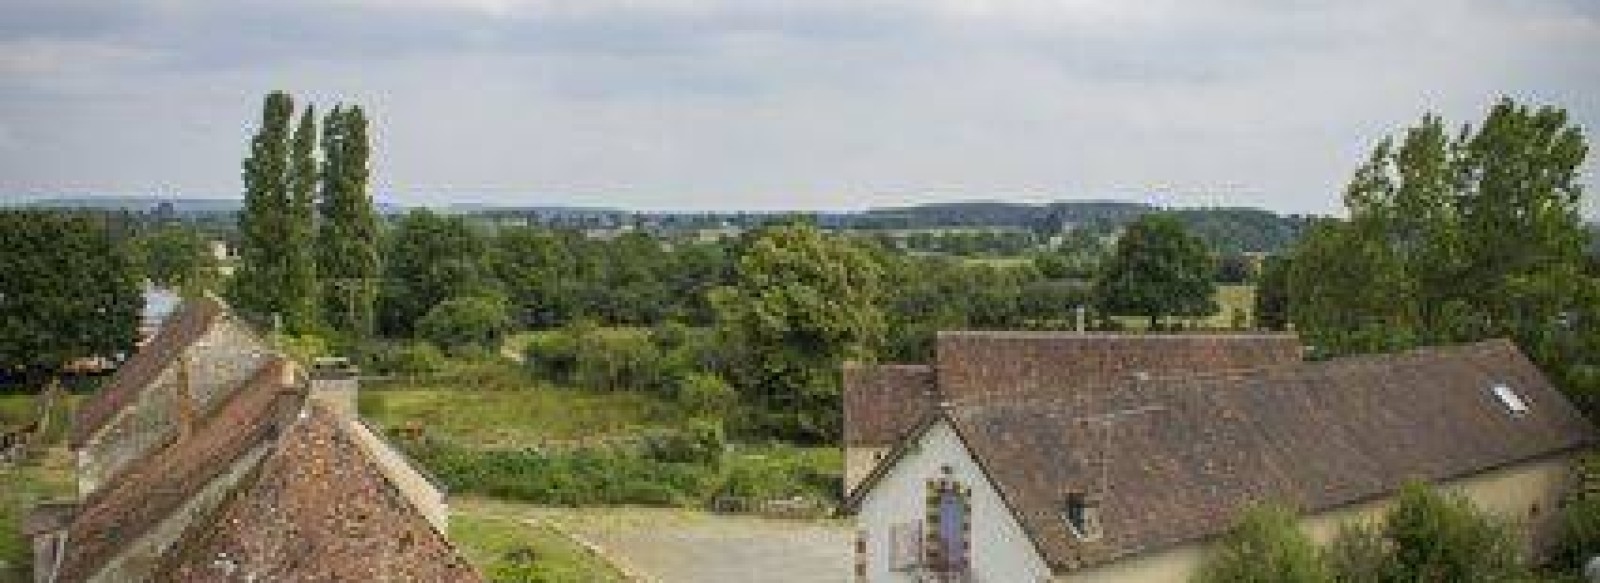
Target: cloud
pixel 781 103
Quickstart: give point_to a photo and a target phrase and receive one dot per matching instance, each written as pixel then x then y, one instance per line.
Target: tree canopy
pixel 1157 270
pixel 68 291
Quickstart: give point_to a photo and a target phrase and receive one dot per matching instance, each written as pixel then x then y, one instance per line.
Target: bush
pixel 1359 553
pixel 403 358
pixel 701 442
pixel 465 323
pixel 579 477
pixel 1442 537
pixel 705 394
pixel 1265 547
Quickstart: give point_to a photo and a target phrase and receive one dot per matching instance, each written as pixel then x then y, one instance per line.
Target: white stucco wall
pixel 1526 493
pixel 1001 551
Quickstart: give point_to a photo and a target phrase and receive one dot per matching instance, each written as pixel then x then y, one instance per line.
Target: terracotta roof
pixel 317 509
pixel 978 364
pixel 1183 456
pixel 882 402
pixel 156 486
pixel 191 321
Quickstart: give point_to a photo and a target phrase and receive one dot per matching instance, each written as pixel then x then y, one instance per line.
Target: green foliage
pixel 1442 537
pixel 802 303
pixel 1460 239
pixel 507 550
pixel 347 235
pixel 403 358
pixel 259 283
pixel 568 477
pixel 1579 536
pixel 470 322
pixel 299 287
pixel 705 394
pixel 176 257
pixel 1272 294
pixel 431 258
pixel 68 291
pixel 1359 553
pixel 1266 546
pixel 1157 270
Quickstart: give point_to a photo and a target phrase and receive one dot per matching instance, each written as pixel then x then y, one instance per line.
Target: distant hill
pixel 150 203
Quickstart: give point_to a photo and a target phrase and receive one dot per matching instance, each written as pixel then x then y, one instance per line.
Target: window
pixel 1510 399
pixel 905 546
pixel 1082 516
pixel 953 523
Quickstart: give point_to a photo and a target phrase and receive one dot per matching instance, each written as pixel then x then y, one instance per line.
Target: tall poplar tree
pixel 300 268
pixel 264 224
pixel 347 246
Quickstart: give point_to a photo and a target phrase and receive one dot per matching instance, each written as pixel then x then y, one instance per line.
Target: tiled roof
pixel 182 328
pixel 1176 459
pixel 318 510
pixel 882 402
pixel 976 364
pixel 156 486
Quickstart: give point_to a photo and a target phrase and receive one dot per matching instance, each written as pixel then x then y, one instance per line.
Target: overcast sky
pixel 773 104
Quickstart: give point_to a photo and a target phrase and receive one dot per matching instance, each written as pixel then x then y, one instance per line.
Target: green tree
pixel 300 264
pixel 1454 239
pixel 1158 270
pixel 347 236
pixel 264 225
pixel 431 258
pixel 1272 294
pixel 68 292
pixel 466 323
pixel 1266 546
pixel 1441 537
pixel 1347 292
pixel 176 257
pixel 801 303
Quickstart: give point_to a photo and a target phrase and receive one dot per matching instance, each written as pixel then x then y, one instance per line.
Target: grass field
pixel 513 418
pixel 508 548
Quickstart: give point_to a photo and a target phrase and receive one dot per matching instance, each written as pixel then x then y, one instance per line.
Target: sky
pixel 779 104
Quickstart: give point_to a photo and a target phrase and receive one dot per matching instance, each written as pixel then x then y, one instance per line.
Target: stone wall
pixel 219 362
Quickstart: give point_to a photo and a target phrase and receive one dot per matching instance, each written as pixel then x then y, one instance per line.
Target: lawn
pixel 529 416
pixel 511 549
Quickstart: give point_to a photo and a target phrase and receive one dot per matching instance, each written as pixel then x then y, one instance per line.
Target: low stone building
pixel 208 457
pixel 1131 479
pixel 884 401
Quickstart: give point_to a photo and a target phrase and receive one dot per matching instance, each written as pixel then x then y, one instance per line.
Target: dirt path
pixel 682 546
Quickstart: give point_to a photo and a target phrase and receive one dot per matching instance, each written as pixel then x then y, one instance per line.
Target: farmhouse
pixel 208 457
pixel 1129 478
pixel 882 402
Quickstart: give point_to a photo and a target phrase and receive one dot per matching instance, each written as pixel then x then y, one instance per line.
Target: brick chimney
pixel 334 384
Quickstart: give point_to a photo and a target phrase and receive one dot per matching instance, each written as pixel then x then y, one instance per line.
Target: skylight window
pixel 1510 399
pixel 1082 516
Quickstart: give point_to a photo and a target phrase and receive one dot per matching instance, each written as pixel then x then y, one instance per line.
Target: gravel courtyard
pixel 681 546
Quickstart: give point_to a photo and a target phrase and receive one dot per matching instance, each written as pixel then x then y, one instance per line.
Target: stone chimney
pixel 334 384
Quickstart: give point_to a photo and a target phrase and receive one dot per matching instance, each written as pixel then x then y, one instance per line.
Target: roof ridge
pixel 191 320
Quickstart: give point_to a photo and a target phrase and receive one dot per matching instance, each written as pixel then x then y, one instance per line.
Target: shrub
pixel 705 394
pixel 463 323
pixel 1359 553
pixel 701 442
pixel 403 358
pixel 1266 546
pixel 1442 537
